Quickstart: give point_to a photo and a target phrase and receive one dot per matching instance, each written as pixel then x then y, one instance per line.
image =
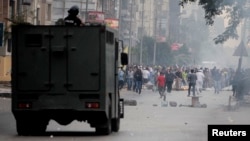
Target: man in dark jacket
pixel 191 82
pixel 138 80
pixel 169 76
pixel 72 19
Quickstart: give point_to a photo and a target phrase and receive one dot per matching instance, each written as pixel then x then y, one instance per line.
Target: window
pixel 33 40
pixel 38 16
pixel 9 47
pixel 26 2
pixel 48 12
pixel 110 37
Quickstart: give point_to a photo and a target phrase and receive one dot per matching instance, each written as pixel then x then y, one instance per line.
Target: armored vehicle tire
pixel 115 123
pixel 104 130
pixel 107 129
pixel 27 127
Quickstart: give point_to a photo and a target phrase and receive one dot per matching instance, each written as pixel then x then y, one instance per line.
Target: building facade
pixel 139 18
pixel 61 7
pixel 36 12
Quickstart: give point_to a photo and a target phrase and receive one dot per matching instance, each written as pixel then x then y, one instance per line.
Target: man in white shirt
pixel 199 82
pixel 145 75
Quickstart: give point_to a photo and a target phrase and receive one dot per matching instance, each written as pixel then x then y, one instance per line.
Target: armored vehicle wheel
pixel 106 130
pixel 116 124
pixel 106 127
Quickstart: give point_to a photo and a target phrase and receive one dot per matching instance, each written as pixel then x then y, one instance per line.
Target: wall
pixel 5 67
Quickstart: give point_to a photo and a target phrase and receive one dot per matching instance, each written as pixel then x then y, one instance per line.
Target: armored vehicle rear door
pixel 32 59
pixel 84 59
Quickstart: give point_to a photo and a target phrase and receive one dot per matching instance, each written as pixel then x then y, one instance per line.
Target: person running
pixel 161 85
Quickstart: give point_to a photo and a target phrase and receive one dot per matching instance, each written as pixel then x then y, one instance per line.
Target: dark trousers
pixel 120 84
pixel 191 86
pixel 130 83
pixel 169 86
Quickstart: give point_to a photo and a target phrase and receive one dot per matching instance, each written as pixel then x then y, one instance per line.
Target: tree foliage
pixel 235 11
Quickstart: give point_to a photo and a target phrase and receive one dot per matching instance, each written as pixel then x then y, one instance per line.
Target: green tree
pixel 235 11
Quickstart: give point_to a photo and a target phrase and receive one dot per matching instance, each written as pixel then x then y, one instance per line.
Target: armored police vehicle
pixel 65 74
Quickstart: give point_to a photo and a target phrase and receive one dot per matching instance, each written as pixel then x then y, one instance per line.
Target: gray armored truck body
pixel 65 74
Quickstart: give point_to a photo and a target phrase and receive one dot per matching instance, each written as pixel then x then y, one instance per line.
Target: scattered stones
pixel 203 105
pixel 172 103
pixel 130 102
pixel 164 104
pixel 155 105
pixel 196 106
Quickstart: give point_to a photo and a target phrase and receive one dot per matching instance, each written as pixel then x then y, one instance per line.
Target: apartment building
pixel 36 12
pixel 61 7
pixel 141 17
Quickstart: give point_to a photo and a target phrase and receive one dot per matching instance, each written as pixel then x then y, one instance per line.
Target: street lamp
pixel 142 26
pixel 86 10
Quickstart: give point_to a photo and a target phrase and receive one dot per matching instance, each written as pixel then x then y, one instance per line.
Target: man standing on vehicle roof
pixel 72 19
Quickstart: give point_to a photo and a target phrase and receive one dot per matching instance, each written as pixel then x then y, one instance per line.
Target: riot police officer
pixel 72 19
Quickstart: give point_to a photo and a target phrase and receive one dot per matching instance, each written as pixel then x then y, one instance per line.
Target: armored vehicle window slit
pixel 33 40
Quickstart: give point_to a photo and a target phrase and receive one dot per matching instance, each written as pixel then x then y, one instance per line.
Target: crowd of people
pixel 190 78
pixel 164 78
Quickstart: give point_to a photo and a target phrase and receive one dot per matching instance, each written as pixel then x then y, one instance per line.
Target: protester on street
pixel 161 85
pixel 178 79
pixel 169 76
pixel 217 80
pixel 130 78
pixel 199 82
pixel 191 82
pixel 184 77
pixel 138 80
pixel 145 75
pixel 121 78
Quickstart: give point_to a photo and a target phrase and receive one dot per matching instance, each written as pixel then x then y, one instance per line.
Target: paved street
pixel 181 122
pixel 150 98
pixel 148 120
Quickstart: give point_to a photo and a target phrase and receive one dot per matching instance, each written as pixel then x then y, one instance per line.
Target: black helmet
pixel 74 10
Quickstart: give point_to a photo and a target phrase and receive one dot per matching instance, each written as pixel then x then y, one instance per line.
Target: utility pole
pixel 120 20
pixel 142 34
pixel 19 6
pixel 13 11
pixel 130 30
pixel 155 29
pixel 102 5
pixel 86 11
